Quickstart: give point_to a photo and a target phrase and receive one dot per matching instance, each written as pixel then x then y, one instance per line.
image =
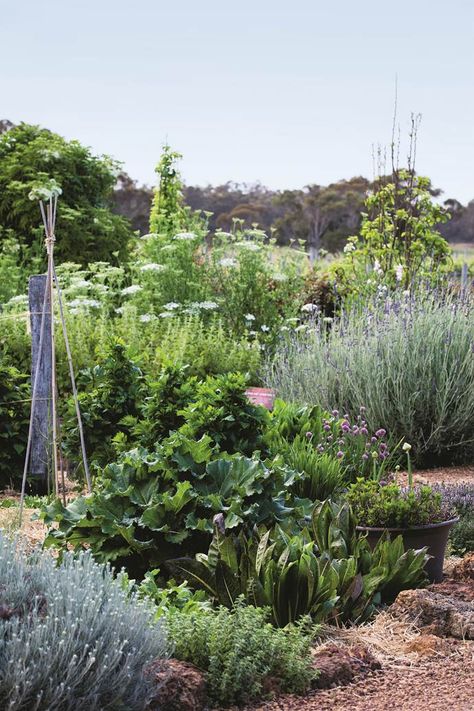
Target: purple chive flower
pixel 327 428
pixel 335 413
pixel 382 447
pixel 346 416
pixel 381 433
pixel 340 454
pixel 330 438
pixel 362 409
pixel 373 440
pixel 320 448
pixel 382 483
pixel 309 435
pixel 364 431
pixel 365 456
pixel 345 428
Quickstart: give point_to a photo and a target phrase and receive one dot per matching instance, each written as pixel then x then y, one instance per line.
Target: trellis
pixel 48 202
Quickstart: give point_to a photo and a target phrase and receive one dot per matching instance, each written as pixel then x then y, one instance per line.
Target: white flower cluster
pixel 228 262
pixel 309 308
pixel 132 289
pixel 185 236
pixel 377 268
pixel 152 267
pixel 84 304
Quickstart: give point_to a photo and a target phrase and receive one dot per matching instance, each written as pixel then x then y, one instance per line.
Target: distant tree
pixel 87 229
pixel 311 213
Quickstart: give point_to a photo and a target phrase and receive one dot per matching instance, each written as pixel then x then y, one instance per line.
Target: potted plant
pixel 418 513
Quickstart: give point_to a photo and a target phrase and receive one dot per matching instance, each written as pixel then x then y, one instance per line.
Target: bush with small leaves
pixel 243 654
pixel 72 637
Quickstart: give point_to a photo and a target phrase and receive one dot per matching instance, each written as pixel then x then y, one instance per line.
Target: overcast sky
pixel 283 92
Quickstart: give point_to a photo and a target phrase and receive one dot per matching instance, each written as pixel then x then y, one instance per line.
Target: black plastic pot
pixel 434 537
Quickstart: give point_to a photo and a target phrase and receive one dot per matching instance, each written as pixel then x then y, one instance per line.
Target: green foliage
pixel 326 570
pixel 408 360
pixel 398 240
pixel 461 536
pixel 72 636
pixel 387 505
pixel 168 213
pixel 151 506
pixel 113 392
pixel 221 409
pixel 243 654
pixel 310 439
pixel 206 347
pixel 14 418
pixel 86 228
pixel 169 597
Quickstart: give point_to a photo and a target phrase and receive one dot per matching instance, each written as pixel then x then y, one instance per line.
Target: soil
pixel 446 475
pixel 32 533
pixel 419 670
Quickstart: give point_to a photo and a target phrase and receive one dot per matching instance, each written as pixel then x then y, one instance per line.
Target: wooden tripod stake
pixel 48 213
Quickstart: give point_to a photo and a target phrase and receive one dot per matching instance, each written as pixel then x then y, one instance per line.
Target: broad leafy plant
pixel 150 506
pixel 325 570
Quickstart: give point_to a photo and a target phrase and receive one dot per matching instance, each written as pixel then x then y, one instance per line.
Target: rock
pixel 338 666
pixel 443 616
pixel 464 570
pixel 175 686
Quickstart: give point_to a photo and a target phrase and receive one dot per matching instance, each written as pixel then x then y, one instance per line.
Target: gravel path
pixel 433 684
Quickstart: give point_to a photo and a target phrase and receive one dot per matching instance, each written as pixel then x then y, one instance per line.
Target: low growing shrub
pixel 71 637
pixel 382 504
pixel 460 497
pixel 245 657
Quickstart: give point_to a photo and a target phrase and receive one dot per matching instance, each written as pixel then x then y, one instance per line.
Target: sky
pixel 286 93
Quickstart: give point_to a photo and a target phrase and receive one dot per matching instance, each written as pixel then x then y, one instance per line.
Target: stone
pixel 439 614
pixel 175 686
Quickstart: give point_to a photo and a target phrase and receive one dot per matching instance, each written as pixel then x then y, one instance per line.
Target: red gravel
pixel 433 684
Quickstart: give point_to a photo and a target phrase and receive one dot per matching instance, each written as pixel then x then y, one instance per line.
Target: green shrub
pixel 14 419
pixel 71 637
pixel 87 227
pixel 461 537
pixel 113 393
pixel 206 348
pixel 388 505
pixel 243 654
pixel 221 409
pixel 408 360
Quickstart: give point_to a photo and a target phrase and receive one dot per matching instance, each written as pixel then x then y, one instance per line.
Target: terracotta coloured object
pixel 261 396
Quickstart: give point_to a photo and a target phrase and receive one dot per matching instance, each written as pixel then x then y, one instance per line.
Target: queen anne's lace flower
pixel 152 267
pixel 132 289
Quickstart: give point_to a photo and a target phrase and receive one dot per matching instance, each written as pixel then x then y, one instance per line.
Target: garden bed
pixel 418 669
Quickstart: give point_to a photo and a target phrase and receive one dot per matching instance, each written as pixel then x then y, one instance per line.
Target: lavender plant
pixel 71 637
pixel 408 359
pixel 460 497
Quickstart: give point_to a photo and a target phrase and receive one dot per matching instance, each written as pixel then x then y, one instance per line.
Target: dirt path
pixel 446 475
pixel 434 684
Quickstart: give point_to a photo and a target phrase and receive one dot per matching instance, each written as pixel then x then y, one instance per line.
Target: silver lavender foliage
pixel 71 636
